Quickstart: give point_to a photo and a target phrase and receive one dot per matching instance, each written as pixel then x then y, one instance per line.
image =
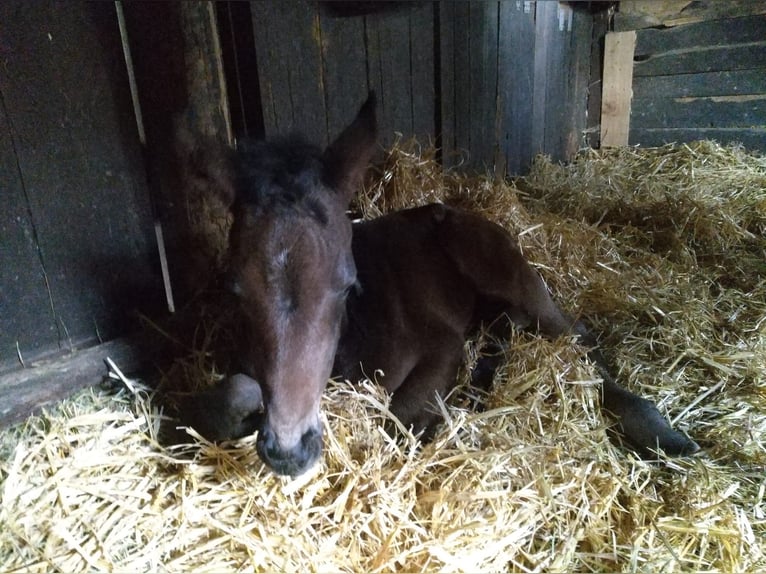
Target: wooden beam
pixel 23 392
pixel 617 90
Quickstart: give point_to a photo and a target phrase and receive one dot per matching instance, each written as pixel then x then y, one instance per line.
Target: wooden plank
pixel 66 94
pixel 344 68
pixel 600 28
pixel 422 70
pixel 27 319
pixel 25 392
pixel 287 43
pixel 712 59
pixel 546 23
pixel 567 84
pixel 388 56
pixel 455 99
pixel 516 83
pixel 738 82
pixel 734 31
pixel 616 94
pixel 637 14
pixel 482 75
pixel 724 112
pixel 753 139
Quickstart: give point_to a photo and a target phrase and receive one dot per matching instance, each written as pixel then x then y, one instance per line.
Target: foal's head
pixel 291 268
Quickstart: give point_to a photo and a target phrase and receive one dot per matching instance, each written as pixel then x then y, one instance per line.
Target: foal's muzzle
pixel 289 462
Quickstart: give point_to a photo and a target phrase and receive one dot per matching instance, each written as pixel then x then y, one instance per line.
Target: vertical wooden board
pixel 515 83
pixel 455 73
pixel 26 317
pixel 344 69
pixel 599 30
pixel 388 53
pixel 446 130
pixel 576 89
pixel 616 93
pixel 287 43
pixel 65 92
pixel 558 106
pixel 422 66
pixel 546 24
pixel 482 76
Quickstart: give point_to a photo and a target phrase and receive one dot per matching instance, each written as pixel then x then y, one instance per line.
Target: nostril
pixel 293 461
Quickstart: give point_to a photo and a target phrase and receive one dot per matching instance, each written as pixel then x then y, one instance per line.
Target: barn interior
pixel 622 143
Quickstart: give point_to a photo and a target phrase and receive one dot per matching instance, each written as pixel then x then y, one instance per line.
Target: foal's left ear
pixel 347 158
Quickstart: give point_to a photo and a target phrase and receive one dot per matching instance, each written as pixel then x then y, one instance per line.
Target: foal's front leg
pixel 414 401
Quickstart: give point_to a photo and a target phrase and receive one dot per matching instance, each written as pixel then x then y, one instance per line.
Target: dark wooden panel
pixel 697 112
pixel 703 34
pixel 26 316
pixel 567 70
pixel 423 55
pixel 482 77
pixel 753 139
pixel 23 393
pixel 703 60
pixel 388 56
pixel 287 45
pixel 65 92
pixel 469 72
pixel 742 82
pixel 516 83
pixel 454 18
pixel 562 68
pixel 344 69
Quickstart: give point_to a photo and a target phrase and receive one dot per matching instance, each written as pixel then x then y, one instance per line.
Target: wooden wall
pixel 501 81
pixel 77 250
pixel 703 80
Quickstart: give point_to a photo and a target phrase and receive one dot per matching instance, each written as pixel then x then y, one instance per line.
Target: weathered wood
pixel 423 55
pixel 703 60
pixel 26 316
pixel 179 78
pixel 738 82
pixel 637 14
pixel 600 28
pixel 65 93
pixel 568 74
pixel 388 56
pixel 546 22
pixel 752 138
pixel 616 93
pixel 482 85
pixel 516 84
pixel 288 47
pixel 717 33
pixel 344 69
pixel 24 392
pixel 725 112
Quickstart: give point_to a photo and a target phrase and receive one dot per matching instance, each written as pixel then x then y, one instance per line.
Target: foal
pixel 399 293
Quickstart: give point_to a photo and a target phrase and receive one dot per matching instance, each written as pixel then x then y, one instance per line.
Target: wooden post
pixel 617 90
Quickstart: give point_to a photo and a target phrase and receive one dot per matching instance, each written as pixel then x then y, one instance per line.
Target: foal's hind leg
pixel 487 255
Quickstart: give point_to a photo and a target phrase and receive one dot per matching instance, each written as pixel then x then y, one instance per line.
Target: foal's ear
pixel 347 158
pixel 206 164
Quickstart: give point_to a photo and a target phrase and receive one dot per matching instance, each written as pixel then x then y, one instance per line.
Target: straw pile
pixel 661 250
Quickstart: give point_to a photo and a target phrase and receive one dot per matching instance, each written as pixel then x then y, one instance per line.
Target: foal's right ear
pixel 206 164
pixel 347 158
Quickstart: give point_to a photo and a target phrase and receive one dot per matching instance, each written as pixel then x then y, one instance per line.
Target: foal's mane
pixel 282 176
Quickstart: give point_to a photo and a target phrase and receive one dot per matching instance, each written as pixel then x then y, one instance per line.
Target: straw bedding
pixel 661 250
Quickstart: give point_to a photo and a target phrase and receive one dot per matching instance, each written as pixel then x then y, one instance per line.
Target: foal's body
pixel 397 294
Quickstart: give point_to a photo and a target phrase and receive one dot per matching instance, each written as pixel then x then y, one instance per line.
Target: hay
pixel 663 252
